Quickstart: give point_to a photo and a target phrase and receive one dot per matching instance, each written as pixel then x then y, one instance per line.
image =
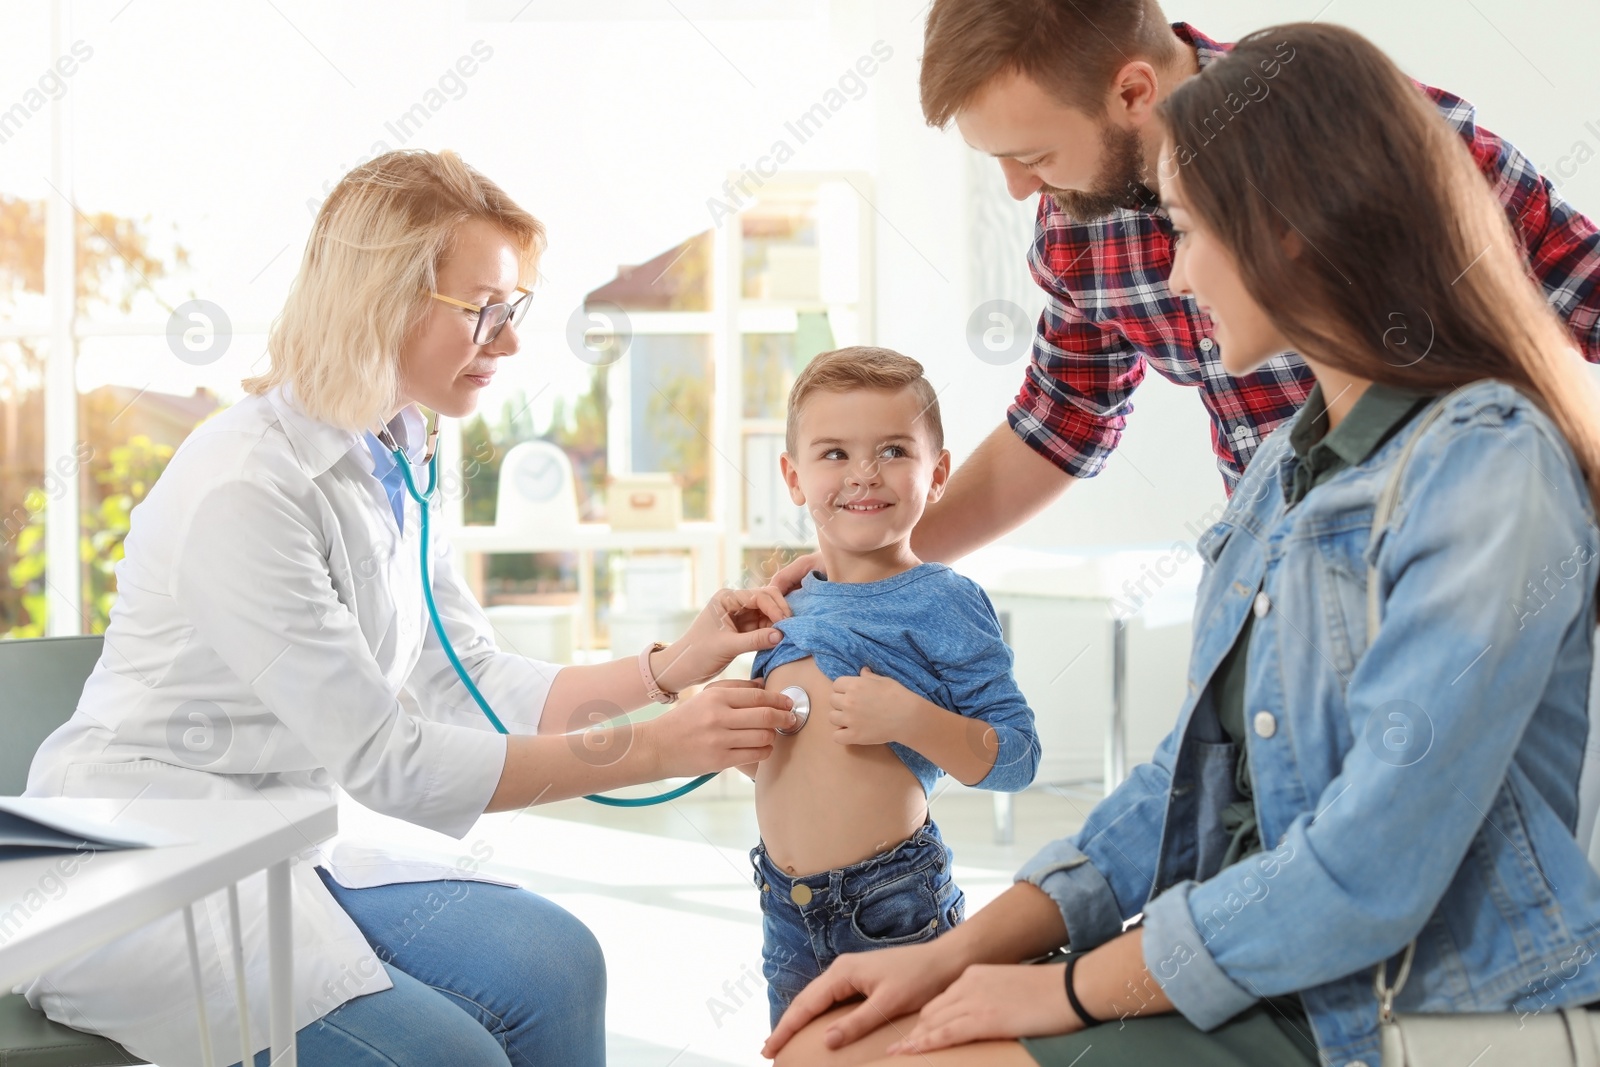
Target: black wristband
pixel 1072 996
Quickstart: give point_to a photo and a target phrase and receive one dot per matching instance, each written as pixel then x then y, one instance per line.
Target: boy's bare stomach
pixel 822 805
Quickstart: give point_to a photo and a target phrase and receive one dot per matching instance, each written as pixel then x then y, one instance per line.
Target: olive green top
pixel 1319 455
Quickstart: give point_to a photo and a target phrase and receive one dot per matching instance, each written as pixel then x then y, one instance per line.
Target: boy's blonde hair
pixel 864 367
pixel 369 265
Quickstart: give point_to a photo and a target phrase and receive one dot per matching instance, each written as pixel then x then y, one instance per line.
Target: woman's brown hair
pixel 1362 226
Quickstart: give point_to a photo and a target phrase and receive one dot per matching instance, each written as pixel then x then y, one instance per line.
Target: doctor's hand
pixel 729 723
pixel 735 621
pixel 788 579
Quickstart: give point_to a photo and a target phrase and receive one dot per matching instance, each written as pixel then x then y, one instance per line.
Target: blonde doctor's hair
pixel 371 260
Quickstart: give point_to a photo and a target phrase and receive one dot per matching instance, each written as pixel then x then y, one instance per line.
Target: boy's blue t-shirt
pixel 936 633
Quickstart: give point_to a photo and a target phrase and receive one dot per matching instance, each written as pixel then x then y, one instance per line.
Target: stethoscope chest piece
pixel 802 708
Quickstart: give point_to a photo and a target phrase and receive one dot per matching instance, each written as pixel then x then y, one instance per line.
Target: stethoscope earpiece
pixel 802 708
pixel 386 439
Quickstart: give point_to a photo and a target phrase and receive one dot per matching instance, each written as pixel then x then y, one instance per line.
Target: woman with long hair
pixel 1379 753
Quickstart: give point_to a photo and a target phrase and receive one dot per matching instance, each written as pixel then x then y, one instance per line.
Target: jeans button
pixel 800 894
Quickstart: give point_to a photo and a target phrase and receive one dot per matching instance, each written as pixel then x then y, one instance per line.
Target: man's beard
pixel 1120 183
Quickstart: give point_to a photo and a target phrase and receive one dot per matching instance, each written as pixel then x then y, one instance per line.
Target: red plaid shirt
pixel 1109 313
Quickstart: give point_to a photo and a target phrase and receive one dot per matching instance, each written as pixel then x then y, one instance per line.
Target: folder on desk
pixel 29 825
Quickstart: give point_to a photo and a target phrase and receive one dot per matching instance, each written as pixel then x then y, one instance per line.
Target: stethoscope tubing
pixel 423 500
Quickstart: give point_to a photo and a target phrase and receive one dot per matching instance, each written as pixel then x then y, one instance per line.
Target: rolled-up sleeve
pixel 1102 876
pixel 1082 894
pixel 1457 556
pixel 253 579
pixel 1078 389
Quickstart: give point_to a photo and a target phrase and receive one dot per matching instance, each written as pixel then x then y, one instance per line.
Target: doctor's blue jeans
pixel 497 975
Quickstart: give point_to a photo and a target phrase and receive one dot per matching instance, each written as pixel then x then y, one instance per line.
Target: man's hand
pixel 873 709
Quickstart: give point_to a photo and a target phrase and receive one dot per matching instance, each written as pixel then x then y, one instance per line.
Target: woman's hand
pixel 734 621
pixel 1001 1001
pixel 896 981
pixel 727 724
pixel 994 1001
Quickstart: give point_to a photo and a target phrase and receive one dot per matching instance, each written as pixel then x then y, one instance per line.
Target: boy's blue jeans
pixel 899 897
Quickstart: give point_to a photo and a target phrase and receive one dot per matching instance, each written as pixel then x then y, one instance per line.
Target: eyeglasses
pixel 492 317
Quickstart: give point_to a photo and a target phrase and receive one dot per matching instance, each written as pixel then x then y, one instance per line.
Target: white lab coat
pixel 270 640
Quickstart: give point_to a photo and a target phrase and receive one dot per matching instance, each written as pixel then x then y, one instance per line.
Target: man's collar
pixel 1205 49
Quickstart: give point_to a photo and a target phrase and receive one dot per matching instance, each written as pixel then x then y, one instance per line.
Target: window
pixel 803 251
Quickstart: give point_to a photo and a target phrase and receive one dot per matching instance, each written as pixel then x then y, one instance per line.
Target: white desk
pixel 123 889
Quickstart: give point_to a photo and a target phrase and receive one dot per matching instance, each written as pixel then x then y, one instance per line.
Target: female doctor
pixel 270 641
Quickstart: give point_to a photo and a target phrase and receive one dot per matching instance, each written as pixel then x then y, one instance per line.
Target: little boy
pixel 906 674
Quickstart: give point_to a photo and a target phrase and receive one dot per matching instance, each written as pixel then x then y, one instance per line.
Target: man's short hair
pixel 1071 48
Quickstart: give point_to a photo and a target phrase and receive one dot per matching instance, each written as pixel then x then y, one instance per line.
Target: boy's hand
pixel 872 709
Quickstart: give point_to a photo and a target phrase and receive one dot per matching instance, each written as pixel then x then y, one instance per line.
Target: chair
pixel 43 680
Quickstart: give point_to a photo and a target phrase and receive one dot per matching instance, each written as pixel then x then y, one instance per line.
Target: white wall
pixel 617 120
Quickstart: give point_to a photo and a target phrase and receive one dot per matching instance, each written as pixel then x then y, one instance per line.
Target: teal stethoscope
pixel 802 705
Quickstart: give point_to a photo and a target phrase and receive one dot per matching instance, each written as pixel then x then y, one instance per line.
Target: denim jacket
pixel 1421 785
